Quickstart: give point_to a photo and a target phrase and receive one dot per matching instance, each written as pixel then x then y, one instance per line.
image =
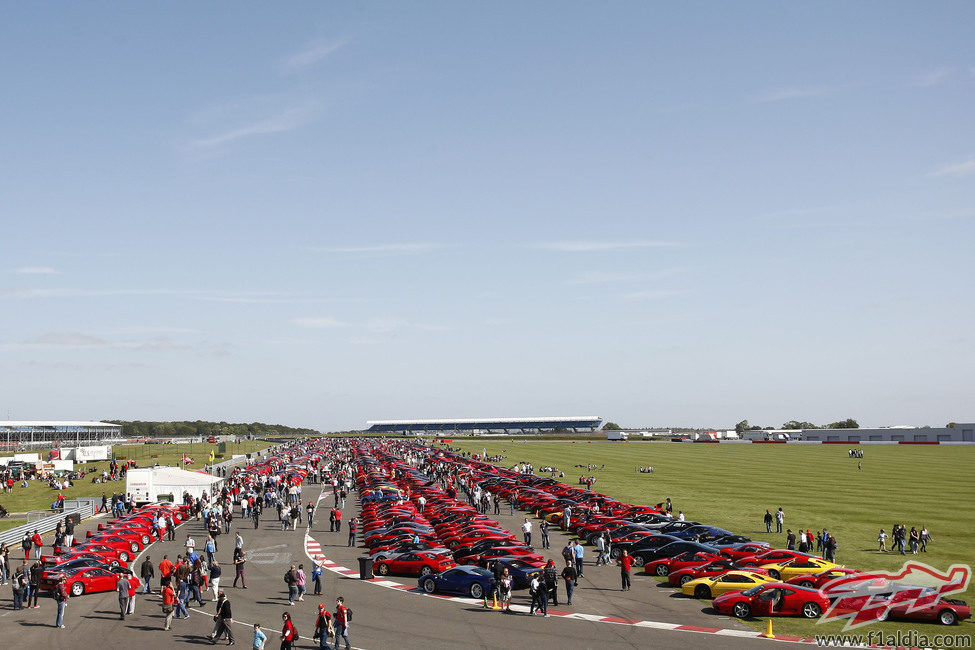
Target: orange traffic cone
pixel 768 631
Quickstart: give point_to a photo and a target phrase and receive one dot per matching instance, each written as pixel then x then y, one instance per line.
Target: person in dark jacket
pixel 147 573
pixel 225 620
pixel 552 581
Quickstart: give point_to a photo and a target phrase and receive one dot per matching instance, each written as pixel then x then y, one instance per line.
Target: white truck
pixel 617 435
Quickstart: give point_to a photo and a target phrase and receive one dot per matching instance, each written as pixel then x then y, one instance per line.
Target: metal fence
pixel 84 508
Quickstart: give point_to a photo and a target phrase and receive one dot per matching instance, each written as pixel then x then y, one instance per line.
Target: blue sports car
pixel 468 580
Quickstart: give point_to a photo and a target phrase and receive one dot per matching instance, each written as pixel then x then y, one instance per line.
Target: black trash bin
pixel 365 568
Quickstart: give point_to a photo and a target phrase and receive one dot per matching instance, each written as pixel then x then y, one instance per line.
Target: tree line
pixel 848 423
pixel 185 429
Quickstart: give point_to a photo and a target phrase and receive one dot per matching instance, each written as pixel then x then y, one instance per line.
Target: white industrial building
pixel 150 484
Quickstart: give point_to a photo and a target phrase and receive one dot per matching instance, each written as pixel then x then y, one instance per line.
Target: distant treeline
pixel 140 429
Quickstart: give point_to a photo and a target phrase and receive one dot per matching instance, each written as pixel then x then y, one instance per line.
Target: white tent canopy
pixel 168 483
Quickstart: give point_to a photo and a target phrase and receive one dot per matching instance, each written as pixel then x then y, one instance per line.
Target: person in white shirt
pixel 526 529
pixel 190 545
pixel 680 515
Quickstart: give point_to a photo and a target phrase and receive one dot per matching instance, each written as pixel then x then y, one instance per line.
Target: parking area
pixel 382 616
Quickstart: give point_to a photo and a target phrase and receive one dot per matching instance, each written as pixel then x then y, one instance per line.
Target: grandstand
pixel 487 425
pixel 15 434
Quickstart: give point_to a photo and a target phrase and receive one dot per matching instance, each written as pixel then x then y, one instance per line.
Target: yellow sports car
pixel 798 567
pixel 730 581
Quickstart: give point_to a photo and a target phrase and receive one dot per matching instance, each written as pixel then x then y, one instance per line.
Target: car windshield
pixel 753 590
pixel 518 564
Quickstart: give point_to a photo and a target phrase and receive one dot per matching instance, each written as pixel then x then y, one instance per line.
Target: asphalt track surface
pixel 383 617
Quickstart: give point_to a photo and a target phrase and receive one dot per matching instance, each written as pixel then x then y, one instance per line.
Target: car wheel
pixel 382 569
pixel 146 540
pixel 429 585
pixel 477 591
pixel 947 617
pixel 772 573
pixel 684 579
pixel 811 610
pixel 742 610
pixel 134 547
pixel 425 571
pixel 806 583
pixel 123 556
pixel 702 591
pixel 380 557
pixel 663 570
pixel 77 589
pixel 616 554
pixel 638 560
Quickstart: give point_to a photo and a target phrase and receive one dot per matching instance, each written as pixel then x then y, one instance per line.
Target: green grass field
pixel 817 486
pixel 38 496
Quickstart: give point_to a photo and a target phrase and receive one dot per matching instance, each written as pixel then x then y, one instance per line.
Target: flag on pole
pixel 211 456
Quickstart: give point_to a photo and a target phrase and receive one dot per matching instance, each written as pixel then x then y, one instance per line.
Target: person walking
pixel 779 520
pixel 34 584
pixel 342 619
pixel 323 628
pixel 259 637
pixel 224 619
pixel 238 541
pixel 915 540
pixel 215 573
pixel 123 587
pixel 316 576
pixel 882 540
pixel 61 598
pixel 168 602
pixel 240 558
pixel 625 563
pixel 182 597
pixel 338 519
pixel 536 589
pixel 287 632
pixel 551 578
pixel 768 521
pixel 211 548
pixel 310 511
pixel 925 538
pixel 570 577
pixel 132 593
pixel 291 579
pixel 353 525
pixel 300 573
pixel 147 572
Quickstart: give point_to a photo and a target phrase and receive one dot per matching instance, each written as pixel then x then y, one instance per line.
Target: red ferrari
pixel 772 599
pixel 667 565
pixel 85 580
pixel 415 563
pixel 708 570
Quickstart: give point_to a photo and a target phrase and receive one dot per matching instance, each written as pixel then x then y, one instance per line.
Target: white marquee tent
pixel 168 484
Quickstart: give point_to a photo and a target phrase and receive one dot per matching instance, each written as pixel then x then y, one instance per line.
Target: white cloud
pixel 71 339
pixel 285 120
pixel 958 170
pixel 312 54
pixel 35 270
pixel 591 246
pixel 318 322
pixel 795 92
pixel 931 77
pixel 651 294
pixel 381 248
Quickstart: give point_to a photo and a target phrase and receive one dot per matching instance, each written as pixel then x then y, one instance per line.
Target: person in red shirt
pixel 38 544
pixel 168 603
pixel 626 563
pixel 343 615
pixel 287 632
pixel 165 567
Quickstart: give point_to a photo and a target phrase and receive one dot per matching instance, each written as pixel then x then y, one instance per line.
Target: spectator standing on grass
pixel 830 545
pixel 680 515
pixel 915 540
pixel 925 538
pixel 779 520
pixel 882 540
pixel 626 563
pixel 790 539
pixel 768 521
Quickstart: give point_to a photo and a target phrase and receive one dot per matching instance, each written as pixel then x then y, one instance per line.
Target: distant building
pixel 16 434
pixel 958 433
pixel 486 425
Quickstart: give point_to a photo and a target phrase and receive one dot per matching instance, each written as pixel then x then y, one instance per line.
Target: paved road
pixel 383 617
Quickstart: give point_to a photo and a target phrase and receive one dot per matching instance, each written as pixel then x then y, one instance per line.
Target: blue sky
pixel 668 215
